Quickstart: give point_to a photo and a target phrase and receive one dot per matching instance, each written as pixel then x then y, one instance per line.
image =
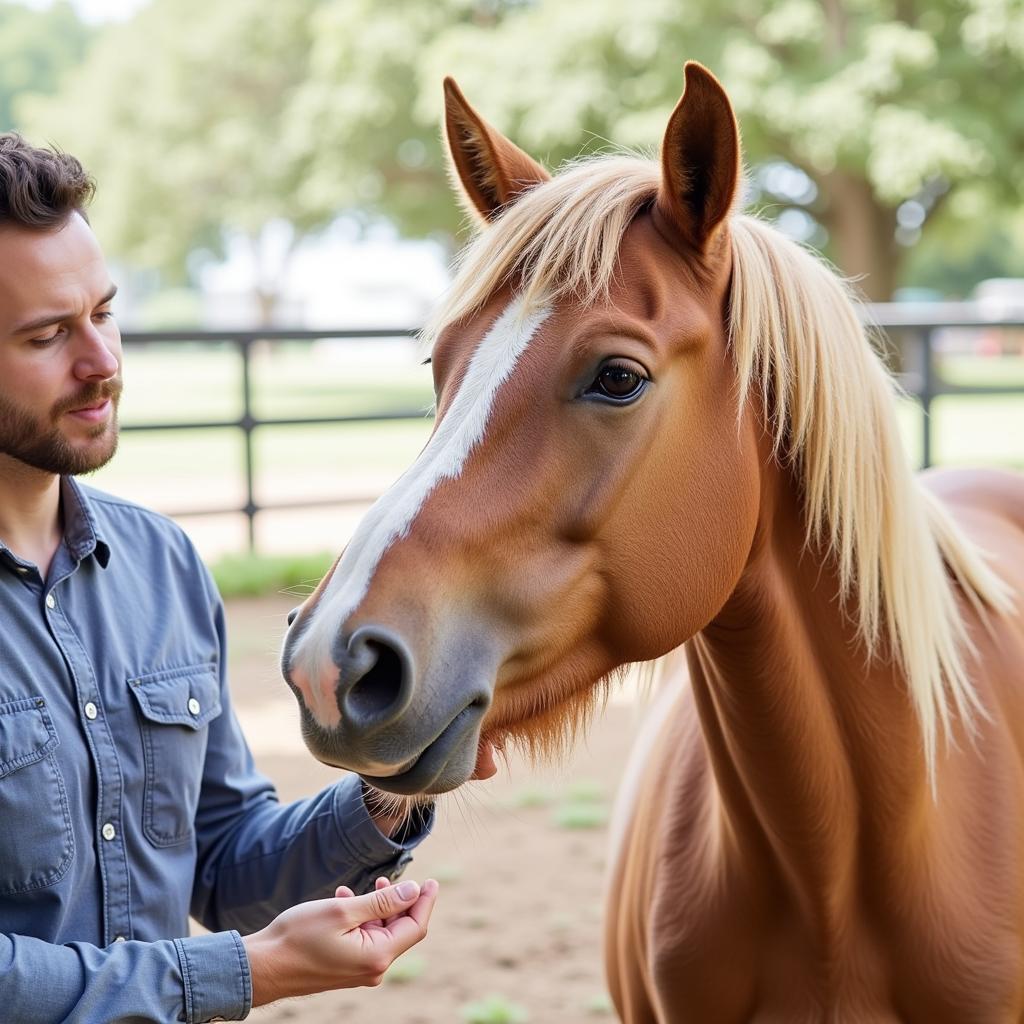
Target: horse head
pixel 589 495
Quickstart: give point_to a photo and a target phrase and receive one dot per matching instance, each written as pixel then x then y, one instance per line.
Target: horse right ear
pixel 700 160
pixel 492 171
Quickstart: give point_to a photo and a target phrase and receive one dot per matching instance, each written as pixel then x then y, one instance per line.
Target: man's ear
pixel 491 170
pixel 700 160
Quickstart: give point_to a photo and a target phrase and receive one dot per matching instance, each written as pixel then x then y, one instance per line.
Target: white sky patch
pixel 462 428
pixel 96 10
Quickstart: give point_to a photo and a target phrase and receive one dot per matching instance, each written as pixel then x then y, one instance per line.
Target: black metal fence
pixel 912 330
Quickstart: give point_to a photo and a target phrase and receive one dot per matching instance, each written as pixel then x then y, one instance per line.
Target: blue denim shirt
pixel 128 795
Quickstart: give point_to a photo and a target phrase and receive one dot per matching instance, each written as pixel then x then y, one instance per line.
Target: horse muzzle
pixel 409 720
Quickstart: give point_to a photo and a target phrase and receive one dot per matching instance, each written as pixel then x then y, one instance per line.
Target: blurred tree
pixel 36 49
pixel 184 115
pixel 892 108
pixel 875 118
pixel 377 144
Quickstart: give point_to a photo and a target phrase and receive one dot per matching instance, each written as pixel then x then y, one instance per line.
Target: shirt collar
pixel 80 531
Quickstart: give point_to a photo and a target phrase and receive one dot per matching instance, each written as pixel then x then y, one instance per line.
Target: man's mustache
pixel 91 394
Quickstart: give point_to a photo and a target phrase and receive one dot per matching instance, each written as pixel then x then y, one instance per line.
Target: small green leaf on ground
pixel 494 1010
pixel 599 1005
pixel 580 815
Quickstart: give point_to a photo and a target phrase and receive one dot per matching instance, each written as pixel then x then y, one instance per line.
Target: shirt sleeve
pixel 197 979
pixel 256 857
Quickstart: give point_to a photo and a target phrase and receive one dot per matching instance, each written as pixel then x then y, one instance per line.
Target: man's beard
pixel 43 445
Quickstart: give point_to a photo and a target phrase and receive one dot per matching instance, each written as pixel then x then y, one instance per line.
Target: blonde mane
pixel 798 344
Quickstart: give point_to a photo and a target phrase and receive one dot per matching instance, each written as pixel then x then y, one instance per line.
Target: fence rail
pixel 910 328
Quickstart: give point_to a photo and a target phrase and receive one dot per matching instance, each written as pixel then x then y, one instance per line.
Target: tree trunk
pixel 863 233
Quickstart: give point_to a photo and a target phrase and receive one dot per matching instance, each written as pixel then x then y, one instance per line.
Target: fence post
pixel 247 424
pixel 927 394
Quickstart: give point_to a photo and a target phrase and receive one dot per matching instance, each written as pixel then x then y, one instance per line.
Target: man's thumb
pixel 383 903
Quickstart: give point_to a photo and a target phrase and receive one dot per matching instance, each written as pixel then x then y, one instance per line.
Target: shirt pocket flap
pixel 26 734
pixel 188 696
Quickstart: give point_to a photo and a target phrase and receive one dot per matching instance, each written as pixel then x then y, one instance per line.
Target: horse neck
pixel 815 748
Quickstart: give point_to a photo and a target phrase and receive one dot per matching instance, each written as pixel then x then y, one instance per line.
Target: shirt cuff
pixel 218 983
pixel 361 835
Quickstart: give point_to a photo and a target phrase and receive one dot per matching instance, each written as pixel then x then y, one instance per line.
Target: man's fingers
pixel 343 891
pixel 422 909
pixel 382 903
pixel 407 930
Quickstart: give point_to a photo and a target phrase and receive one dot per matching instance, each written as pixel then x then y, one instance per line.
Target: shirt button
pixel 108 831
pixel 119 938
pixel 193 705
pixel 51 601
pixel 22 570
pixel 90 711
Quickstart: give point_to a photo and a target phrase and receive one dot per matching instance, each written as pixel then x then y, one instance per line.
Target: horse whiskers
pixel 385 804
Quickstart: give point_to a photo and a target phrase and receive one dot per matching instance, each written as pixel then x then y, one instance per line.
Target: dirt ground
pixel 516 935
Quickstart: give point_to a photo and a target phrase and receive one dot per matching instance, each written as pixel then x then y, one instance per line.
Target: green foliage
pixel 494 1010
pixel 875 103
pixel 36 48
pixel 193 138
pixel 254 575
pixel 247 115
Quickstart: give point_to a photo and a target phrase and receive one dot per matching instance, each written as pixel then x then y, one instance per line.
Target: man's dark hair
pixel 40 188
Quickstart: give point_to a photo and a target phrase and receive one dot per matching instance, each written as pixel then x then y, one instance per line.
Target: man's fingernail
pixel 407 890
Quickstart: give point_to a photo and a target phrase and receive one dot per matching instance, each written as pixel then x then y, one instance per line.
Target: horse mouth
pixel 444 764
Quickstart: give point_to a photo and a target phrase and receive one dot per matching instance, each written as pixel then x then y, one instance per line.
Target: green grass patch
pixel 494 1010
pixel 580 815
pixel 255 575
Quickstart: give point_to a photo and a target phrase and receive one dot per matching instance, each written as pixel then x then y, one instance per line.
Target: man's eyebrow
pixel 56 318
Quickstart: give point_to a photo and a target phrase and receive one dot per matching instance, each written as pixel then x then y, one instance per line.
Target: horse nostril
pixel 294 614
pixel 376 678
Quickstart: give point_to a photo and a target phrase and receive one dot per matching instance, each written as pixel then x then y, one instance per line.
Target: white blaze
pixel 391 517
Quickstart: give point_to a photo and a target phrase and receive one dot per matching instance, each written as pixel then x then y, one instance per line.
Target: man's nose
pixel 97 356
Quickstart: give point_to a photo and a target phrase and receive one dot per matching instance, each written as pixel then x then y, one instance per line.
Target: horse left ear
pixel 700 160
pixel 493 171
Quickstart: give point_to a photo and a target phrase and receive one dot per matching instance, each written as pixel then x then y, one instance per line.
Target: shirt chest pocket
pixel 175 708
pixel 37 842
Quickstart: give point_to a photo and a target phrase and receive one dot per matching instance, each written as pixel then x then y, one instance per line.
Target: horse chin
pixel 456 756
pixel 417 754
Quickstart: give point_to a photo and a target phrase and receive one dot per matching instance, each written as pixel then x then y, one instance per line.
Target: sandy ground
pixel 520 859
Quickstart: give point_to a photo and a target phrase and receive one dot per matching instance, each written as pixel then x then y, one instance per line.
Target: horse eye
pixel 617 382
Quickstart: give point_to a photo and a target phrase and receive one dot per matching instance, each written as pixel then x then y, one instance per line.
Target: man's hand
pixel 343 942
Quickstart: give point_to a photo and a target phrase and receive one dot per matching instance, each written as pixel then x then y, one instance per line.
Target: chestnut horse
pixel 660 422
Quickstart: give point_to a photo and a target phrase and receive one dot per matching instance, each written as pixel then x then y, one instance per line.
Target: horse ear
pixel 700 159
pixel 492 170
